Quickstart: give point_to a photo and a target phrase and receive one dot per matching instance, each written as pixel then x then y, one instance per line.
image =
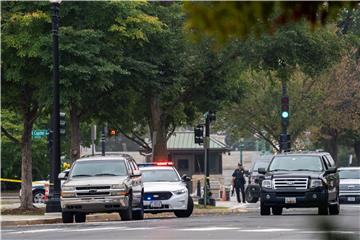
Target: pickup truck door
pixel 136 182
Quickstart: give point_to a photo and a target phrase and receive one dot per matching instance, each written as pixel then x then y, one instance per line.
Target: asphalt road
pixel 293 224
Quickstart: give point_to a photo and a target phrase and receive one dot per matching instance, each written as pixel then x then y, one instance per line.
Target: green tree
pixel 23 74
pixel 225 21
pixel 173 80
pixel 293 54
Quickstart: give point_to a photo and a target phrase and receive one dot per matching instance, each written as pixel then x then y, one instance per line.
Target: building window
pixel 199 163
pixel 183 164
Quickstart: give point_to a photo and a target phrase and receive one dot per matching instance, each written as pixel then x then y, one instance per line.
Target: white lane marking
pixel 322 232
pixel 208 229
pixel 139 228
pixel 37 231
pixel 95 229
pixel 269 230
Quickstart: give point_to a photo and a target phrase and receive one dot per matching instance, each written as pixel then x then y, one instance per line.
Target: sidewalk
pixel 14 220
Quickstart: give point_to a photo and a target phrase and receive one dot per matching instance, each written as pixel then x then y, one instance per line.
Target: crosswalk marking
pixel 269 230
pixel 207 229
pixel 37 231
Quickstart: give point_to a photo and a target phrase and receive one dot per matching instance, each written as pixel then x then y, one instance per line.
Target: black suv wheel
pixel 80 217
pixel 67 217
pixel 277 210
pixel 324 210
pixel 187 212
pixel 264 210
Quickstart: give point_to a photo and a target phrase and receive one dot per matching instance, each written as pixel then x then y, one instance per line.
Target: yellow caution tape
pixel 17 181
pixel 10 180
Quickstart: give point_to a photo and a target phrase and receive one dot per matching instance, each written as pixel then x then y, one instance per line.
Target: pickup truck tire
pixel 67 217
pixel 264 210
pixel 39 196
pixel 127 214
pixel 186 213
pixel 277 210
pixel 324 210
pixel 80 217
pixel 139 214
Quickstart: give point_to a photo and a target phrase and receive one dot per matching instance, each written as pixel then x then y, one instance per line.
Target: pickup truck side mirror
pixel 186 178
pixel 136 173
pixel 262 170
pixel 63 175
pixel 331 170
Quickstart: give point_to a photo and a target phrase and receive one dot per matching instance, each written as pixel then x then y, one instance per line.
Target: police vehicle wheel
pixel 323 210
pixel 139 214
pixel 80 217
pixel 127 214
pixel 39 196
pixel 67 217
pixel 264 210
pixel 187 212
pixel 277 210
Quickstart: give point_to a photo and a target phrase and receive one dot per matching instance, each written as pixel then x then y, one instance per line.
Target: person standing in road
pixel 239 182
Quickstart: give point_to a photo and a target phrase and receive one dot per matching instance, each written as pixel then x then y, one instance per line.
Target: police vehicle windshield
pixel 160 175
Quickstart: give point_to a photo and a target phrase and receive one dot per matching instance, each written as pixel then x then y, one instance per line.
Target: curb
pixel 116 217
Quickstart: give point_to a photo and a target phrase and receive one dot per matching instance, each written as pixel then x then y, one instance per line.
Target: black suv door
pixel 331 179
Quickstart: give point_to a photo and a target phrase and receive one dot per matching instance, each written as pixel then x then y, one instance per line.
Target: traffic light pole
pixel 284 139
pixel 206 160
pixel 103 141
pixel 53 204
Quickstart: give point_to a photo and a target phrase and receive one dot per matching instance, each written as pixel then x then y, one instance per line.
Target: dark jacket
pixel 239 177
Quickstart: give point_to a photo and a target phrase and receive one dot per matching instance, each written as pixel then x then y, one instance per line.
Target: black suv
pixel 300 179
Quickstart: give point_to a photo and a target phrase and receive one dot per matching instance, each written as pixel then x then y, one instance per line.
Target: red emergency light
pixel 164 164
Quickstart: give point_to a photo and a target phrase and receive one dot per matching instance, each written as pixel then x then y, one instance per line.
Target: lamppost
pixel 241 148
pixel 53 204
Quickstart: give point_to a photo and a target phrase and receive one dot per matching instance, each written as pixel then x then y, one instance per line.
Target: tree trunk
pixel 357 152
pixel 330 141
pixel 74 133
pixel 26 165
pixel 158 131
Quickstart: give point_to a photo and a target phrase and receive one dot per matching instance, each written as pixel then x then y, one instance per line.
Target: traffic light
pixel 285 111
pixel 211 116
pixel 199 134
pixel 112 132
pixel 62 123
pixel 284 142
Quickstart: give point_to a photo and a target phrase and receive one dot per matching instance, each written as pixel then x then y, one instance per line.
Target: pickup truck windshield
pixel 104 168
pixel 160 175
pixel 296 163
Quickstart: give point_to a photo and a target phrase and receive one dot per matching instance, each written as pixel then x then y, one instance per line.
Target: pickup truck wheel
pixel 67 217
pixel 277 210
pixel 324 210
pixel 264 210
pixel 80 217
pixel 186 213
pixel 127 214
pixel 139 214
pixel 39 196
